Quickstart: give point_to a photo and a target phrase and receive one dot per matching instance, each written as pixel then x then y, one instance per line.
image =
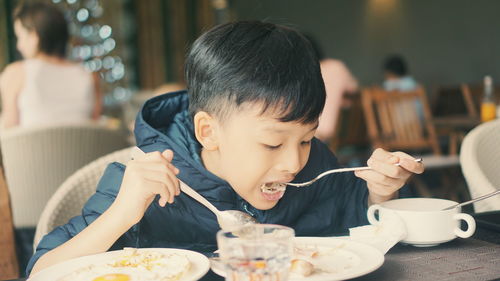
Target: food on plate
pixel 134 265
pixel 302 267
pixel 302 263
pixel 306 251
pixel 273 187
pixel 113 277
pixel 311 259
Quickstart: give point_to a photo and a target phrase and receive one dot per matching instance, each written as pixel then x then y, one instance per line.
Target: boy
pixel 255 93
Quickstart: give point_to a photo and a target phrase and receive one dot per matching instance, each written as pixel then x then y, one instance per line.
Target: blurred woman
pixel 45 88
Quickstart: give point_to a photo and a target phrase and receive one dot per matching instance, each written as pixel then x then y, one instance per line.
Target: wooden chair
pixel 472 101
pixel 394 122
pixel 472 95
pixel 9 267
pixel 456 111
pixel 351 127
pixel 403 121
pixel 455 101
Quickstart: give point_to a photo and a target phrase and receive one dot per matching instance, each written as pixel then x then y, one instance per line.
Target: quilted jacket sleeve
pixel 107 189
pixel 339 200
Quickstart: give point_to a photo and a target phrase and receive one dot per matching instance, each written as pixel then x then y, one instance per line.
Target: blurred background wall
pixel 445 42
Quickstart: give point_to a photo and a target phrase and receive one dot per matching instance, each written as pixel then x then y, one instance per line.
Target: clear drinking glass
pixel 256 252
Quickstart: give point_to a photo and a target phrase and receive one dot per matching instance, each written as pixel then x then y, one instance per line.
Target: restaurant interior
pixel 449 116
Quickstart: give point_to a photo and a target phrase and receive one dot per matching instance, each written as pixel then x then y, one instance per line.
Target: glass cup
pixel 256 252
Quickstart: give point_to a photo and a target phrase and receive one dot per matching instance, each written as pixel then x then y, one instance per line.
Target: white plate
pixel 341 259
pixel 199 264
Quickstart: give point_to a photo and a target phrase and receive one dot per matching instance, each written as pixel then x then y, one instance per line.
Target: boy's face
pixel 254 150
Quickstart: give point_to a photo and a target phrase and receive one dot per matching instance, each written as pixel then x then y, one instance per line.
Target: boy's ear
pixel 205 130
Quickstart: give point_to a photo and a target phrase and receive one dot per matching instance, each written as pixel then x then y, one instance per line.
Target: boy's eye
pixel 306 142
pixel 272 147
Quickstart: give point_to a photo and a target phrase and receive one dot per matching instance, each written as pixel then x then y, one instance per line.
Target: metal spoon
pixel 228 220
pixel 473 200
pixel 341 170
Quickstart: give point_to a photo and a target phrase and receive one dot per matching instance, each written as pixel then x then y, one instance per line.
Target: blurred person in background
pixel 45 88
pixel 338 81
pixel 396 75
pixel 397 79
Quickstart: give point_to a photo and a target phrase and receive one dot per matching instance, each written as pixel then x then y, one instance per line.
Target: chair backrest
pixel 454 100
pixel 472 100
pixel 9 267
pixel 38 160
pixel 479 158
pixel 473 95
pixel 399 120
pixel 69 198
pixel 351 127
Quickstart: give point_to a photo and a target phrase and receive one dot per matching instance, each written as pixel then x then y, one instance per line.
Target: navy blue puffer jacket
pixel 329 206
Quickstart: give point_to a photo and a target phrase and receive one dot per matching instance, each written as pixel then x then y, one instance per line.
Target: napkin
pixel 383 235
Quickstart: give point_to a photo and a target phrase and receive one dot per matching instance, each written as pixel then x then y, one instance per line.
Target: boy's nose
pixel 290 162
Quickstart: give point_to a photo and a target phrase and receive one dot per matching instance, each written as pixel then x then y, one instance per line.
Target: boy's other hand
pixel 144 178
pixel 385 178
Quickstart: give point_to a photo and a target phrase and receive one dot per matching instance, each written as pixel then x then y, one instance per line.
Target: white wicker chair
pixel 38 160
pixel 479 158
pixel 70 197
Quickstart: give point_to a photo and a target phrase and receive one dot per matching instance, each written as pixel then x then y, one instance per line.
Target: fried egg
pixel 134 265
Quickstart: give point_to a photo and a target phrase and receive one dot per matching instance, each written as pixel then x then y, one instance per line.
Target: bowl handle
pixel 471 225
pixel 371 214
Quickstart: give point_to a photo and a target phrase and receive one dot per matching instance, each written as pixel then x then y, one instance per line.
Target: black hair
pixel 395 64
pixel 49 24
pixel 316 47
pixel 253 61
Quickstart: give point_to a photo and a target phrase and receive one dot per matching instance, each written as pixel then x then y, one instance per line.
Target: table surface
pixel 475 258
pixel 460 259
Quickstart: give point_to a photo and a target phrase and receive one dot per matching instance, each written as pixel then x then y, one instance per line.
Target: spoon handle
pixel 196 196
pixel 474 200
pixel 137 152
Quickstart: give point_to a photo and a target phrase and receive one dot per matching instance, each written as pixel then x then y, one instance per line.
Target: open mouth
pixel 273 187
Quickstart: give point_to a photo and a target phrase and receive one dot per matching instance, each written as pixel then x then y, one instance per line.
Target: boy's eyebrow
pixel 277 130
pixel 274 129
